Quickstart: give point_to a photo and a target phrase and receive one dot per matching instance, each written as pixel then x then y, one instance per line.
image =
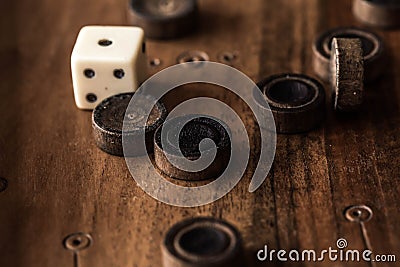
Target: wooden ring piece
pixel 202 242
pixel 380 13
pixel 297 102
pixel 163 19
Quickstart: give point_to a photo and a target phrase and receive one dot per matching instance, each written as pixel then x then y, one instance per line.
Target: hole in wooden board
pixel 3 184
pixel 77 241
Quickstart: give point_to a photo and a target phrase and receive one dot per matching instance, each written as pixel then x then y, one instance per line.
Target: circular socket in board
pixel 358 213
pixel 3 184
pixel 192 56
pixel 77 241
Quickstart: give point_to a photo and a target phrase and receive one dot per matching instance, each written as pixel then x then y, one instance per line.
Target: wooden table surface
pixel 60 183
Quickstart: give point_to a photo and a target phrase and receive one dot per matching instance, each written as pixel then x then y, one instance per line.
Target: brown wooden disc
pixel 163 19
pixel 380 13
pixel 347 69
pixel 190 137
pixel 108 119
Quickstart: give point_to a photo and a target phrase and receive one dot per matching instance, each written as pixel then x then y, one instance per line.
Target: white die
pixel 107 60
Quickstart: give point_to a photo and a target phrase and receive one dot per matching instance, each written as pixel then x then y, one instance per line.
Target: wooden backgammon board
pixel 65 202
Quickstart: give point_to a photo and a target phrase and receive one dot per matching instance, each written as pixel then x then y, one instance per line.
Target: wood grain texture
pixel 60 183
